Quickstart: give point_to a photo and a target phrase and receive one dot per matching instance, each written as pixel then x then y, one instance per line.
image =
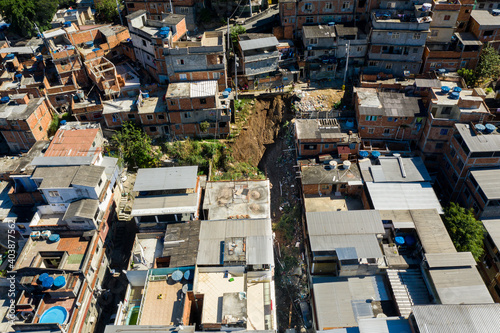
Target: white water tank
pixel 347 165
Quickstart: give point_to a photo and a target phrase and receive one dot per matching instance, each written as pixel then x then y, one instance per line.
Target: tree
pixel 135 147
pixel 237 30
pixel 23 15
pixel 204 126
pixel 468 75
pixel 465 231
pixel 106 10
pixel 489 64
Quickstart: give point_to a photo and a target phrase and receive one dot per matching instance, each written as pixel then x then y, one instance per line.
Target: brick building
pixel 480 192
pixel 485 25
pixel 324 136
pixel 191 104
pixel 23 121
pixel 388 115
pixel 445 111
pixel 471 147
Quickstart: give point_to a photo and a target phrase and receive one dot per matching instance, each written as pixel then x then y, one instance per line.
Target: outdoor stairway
pixel 122 215
pixel 408 288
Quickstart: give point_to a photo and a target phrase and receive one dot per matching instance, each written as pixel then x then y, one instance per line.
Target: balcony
pixel 451 5
pixel 399 20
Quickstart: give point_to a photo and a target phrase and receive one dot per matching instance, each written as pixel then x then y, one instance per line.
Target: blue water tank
pixel 54 237
pixel 18 76
pixel 363 153
pixel 145 94
pixel 445 89
pixel 67 24
pixel 457 89
pixel 376 154
pixel 5 100
pixel 42 277
pixel 490 128
pixel 96 49
pixel 399 240
pixel 479 127
pixel 225 94
pixel 89 44
pixel 48 282
pixel 63 122
pixel 228 90
pixel 349 123
pixel 59 282
pixel 331 24
pixel 454 95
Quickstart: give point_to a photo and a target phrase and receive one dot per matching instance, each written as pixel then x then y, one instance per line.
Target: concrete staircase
pixel 409 289
pixel 122 214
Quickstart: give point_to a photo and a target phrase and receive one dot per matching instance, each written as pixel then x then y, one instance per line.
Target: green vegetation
pixel 204 126
pixel 24 14
pixel 211 153
pixel 288 222
pixel 465 231
pixel 106 11
pixel 135 147
pixel 489 64
pixel 489 90
pixel 468 75
pixel 54 125
pixel 236 30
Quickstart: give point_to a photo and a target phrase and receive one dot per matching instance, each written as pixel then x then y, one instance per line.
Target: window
pixel 203 101
pixel 130 5
pixel 329 68
pixel 115 117
pixel 396 119
pixel 452 152
pixel 83 117
pixel 416 35
pixel 434 33
pixel 467 11
pixel 160 116
pixel 150 117
pixel 446 165
pixel 447 17
pixel 461 25
pixel 325 187
pixel 387 131
pixel 371 118
pixel 177 126
pixel 346 5
pixel 395 35
pixel 446 110
pixel 131 116
pixel 481 5
pixel 389 119
pixel 439 145
pixel 488 32
pixel 359 49
pixel 180 61
pixel 328 5
pixel 432 65
pixel 308 6
pixel 183 77
pixel 415 49
pixel 310 147
pixel 153 129
pixel 454 177
pixel 370 131
pixel 100 183
pixel 309 19
pixel 313 41
pixel 187 115
pixel 53 194
pixel 388 66
pixel 460 164
pixel 443 131
pixel 172 102
pixel 144 43
pixel 40 128
pixel 216 76
pixel 373 63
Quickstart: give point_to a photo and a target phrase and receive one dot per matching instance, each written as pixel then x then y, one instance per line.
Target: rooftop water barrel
pixel 479 127
pixel 349 123
pixel 455 95
pixel 48 282
pixel 89 44
pixel 347 165
pixel 5 100
pixel 399 240
pixel 59 282
pixel 63 122
pixel 18 76
pixel 42 277
pixel 95 49
pixel 363 154
pixel 67 24
pixel 457 89
pixel 145 94
pixel 54 238
pixel 489 128
pixel 225 94
pixel 331 24
pixel 10 56
pixel 376 154
pixel 228 90
pixel 442 71
pixel 445 89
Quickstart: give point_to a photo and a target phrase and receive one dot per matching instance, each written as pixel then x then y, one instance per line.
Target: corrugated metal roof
pixel 463 318
pixel 399 169
pixel 62 160
pixel 427 83
pixel 19 50
pixel 479 142
pixel 489 181
pixel 167 204
pixel 458 259
pixel 493 229
pixel 398 196
pixel 258 234
pixel 259 43
pixel 54 33
pixel 431 231
pixel 173 178
pixel 85 208
pixel 344 222
pixel 203 88
pixel 384 325
pixel 367 246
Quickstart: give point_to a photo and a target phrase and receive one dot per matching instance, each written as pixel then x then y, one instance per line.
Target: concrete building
pixel 479 193
pixel 321 44
pixel 166 195
pixel 191 104
pixel 79 16
pixel 388 115
pixel 23 121
pixel 356 39
pixel 471 147
pixel 485 25
pixel 259 57
pixel 398 37
pixel 323 136
pixel 149 40
pixel 445 111
pixel 490 266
